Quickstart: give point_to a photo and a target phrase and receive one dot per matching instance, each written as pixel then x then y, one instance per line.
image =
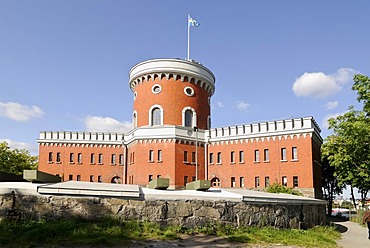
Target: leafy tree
pixel 16 160
pixel 348 149
pixel 362 86
pixel 330 182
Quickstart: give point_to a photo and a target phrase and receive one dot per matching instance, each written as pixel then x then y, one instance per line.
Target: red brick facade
pixel 171 97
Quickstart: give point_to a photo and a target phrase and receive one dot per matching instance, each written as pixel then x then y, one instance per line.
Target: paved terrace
pixel 87 189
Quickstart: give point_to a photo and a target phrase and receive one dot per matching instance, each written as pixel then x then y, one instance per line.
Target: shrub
pixel 278 188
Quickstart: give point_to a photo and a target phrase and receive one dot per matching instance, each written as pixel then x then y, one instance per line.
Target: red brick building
pixel 171 97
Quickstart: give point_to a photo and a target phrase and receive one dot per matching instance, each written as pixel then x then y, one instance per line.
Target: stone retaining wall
pixel 189 213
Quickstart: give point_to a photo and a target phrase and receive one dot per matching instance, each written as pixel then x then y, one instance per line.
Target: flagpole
pixel 188 38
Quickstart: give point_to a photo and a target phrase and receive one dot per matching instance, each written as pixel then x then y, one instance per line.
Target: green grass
pixel 111 231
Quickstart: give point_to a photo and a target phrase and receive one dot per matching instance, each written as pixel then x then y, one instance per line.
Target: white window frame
pixel 150 114
pixel 191 89
pixel 134 119
pixel 194 124
pixel 156 85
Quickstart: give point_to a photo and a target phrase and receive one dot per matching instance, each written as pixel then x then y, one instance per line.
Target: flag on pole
pixel 193 22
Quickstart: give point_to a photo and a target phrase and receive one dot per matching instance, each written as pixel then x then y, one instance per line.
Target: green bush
pixel 278 188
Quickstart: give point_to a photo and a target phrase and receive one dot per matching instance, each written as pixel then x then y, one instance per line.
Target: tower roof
pixel 179 69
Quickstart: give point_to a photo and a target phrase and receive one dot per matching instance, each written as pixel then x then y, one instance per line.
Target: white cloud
pixel 220 105
pixel 104 124
pixel 331 105
pixel 32 148
pixel 242 105
pixel 18 112
pixel 319 85
pixel 325 123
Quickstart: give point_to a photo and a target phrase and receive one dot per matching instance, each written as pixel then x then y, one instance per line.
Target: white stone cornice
pixel 178 69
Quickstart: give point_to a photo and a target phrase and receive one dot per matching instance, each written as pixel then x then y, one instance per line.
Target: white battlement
pixel 270 128
pixel 80 137
pixel 254 130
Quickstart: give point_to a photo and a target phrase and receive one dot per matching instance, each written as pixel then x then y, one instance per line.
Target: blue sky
pixel 64 64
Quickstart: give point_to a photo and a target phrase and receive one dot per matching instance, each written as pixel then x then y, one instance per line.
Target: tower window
pixel 156 88
pixel 188 118
pixel 134 119
pixel 156 116
pixel 189 91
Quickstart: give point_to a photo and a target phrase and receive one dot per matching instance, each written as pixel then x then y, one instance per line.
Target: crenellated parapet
pixel 80 137
pixel 177 69
pixel 267 130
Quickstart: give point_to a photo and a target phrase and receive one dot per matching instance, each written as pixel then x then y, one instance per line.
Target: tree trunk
pixel 353 198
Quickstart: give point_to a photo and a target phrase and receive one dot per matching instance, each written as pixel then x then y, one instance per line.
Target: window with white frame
pixel 156 115
pixel 232 157
pixel 113 159
pixel 266 157
pixel 100 158
pixel 189 117
pixel 134 119
pixel 294 153
pixel 232 182
pixel 156 88
pixel 256 182
pixel 241 156
pixel 267 182
pixel 185 156
pixel 159 155
pixel 283 154
pixel 79 158
pixel 151 155
pixel 50 157
pixel 189 91
pixel 219 158
pixel 284 181
pixel 256 155
pixel 211 158
pixel 71 157
pixel 295 181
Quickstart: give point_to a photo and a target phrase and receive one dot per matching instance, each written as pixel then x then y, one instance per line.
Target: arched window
pixel 215 182
pixel 116 180
pixel 134 119
pixel 188 118
pixel 156 115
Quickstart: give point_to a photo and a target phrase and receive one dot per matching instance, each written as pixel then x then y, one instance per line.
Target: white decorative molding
pixel 177 69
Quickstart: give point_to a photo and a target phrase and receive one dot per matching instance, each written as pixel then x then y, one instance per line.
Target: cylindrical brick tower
pixel 171 92
pixel 171 97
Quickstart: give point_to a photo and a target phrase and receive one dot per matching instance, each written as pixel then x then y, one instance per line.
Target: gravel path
pixel 353 234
